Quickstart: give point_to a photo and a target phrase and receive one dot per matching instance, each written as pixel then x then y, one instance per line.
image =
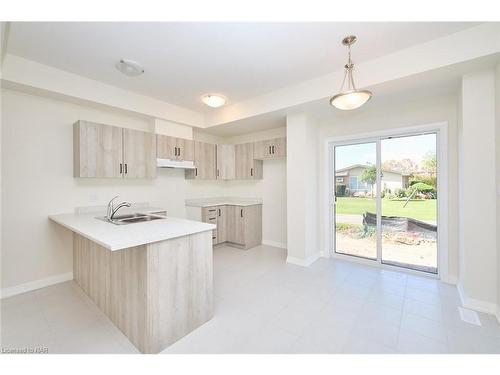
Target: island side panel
pixel 117 282
pixel 184 285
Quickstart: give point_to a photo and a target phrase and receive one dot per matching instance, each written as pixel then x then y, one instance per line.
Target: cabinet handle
pixel 251 171
pixel 121 168
pixel 219 211
pixel 211 210
pixel 273 149
pixel 178 151
pixel 196 171
pixel 269 149
pixel 241 212
pixel 126 168
pixel 217 173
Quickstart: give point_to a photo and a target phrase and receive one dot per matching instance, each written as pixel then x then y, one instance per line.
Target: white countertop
pixel 221 201
pixel 117 237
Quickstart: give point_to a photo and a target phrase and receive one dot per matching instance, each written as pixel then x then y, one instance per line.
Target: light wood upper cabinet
pixel 97 150
pixel 226 162
pixel 174 148
pixel 270 148
pixel 139 154
pixel 110 151
pixel 185 149
pixel 205 160
pixel 246 167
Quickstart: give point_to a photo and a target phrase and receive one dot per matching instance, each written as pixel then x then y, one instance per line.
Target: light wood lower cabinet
pixel 238 225
pixel 244 225
pixel 155 293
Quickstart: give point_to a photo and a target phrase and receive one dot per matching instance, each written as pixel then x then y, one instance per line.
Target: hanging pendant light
pixel 351 98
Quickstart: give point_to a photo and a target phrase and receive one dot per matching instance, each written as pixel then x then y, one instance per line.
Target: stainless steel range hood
pixel 179 164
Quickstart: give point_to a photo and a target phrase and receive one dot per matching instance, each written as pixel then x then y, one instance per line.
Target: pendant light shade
pixel 351 98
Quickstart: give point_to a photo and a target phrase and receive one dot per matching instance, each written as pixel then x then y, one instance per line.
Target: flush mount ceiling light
pixel 351 98
pixel 130 68
pixel 214 100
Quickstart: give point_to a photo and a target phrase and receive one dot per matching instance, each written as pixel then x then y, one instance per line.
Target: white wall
pixel 37 181
pixel 302 190
pixel 497 118
pixel 478 249
pixel 384 117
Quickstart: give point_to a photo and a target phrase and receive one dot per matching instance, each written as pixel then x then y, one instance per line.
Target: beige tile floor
pixel 263 305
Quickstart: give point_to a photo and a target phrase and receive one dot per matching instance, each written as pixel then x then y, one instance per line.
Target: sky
pixel 413 147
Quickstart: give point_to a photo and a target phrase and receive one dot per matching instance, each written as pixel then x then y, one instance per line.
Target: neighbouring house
pixel 351 178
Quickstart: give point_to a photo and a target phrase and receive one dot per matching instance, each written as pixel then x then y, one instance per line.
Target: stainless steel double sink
pixel 134 218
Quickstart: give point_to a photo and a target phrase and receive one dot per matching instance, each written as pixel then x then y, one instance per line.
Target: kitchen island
pixel 154 280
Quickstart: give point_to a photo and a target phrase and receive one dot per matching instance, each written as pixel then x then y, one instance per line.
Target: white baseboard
pixel 449 280
pixel 37 284
pixel 274 244
pixel 304 262
pixel 476 304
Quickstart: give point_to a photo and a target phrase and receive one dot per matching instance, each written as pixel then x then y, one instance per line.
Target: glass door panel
pixel 355 177
pixel 409 202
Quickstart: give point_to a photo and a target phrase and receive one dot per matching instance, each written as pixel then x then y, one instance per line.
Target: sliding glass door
pixel 355 197
pixel 385 200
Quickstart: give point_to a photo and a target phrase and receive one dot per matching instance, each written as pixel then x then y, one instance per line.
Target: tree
pixel 429 162
pixel 369 175
pixel 406 165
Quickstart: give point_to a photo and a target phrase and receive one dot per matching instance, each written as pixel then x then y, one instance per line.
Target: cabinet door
pixel 221 224
pixel 185 149
pixel 226 162
pixel 278 147
pixel 139 154
pixel 97 150
pixel 243 155
pixel 262 150
pixel 166 147
pixel 235 227
pixel 204 161
pixel 252 222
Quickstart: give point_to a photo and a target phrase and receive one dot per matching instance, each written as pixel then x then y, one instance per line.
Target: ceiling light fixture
pixel 352 98
pixel 214 100
pixel 130 68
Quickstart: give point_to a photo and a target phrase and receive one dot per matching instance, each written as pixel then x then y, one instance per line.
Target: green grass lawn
pixel 416 209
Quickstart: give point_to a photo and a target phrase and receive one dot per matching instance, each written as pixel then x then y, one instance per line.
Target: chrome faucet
pixel 110 214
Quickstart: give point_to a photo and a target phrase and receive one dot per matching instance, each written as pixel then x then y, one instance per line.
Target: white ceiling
pixel 423 86
pixel 185 60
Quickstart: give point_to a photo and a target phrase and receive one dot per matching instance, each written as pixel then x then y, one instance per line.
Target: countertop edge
pixel 130 244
